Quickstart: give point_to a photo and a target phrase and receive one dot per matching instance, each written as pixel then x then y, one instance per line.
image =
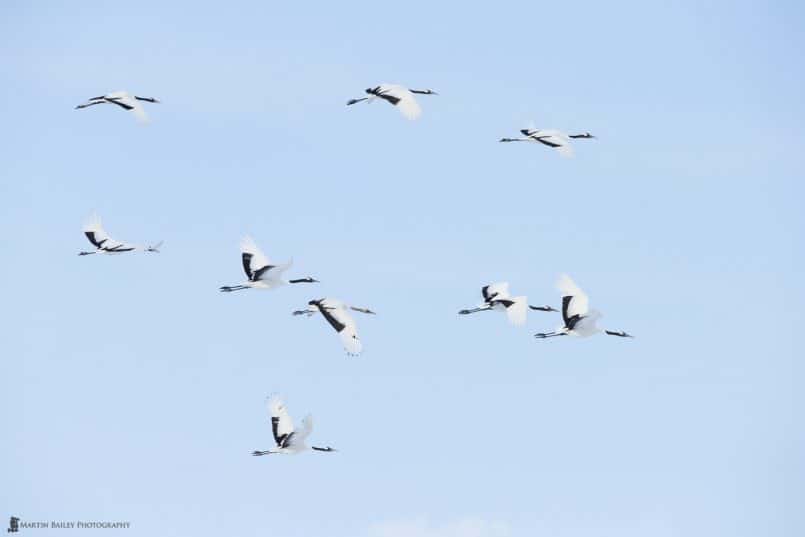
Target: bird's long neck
pixel 302 280
pixel 422 92
pixel 619 333
pixel 585 135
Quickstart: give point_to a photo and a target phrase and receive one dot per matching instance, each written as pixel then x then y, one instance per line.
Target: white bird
pixel 125 101
pixel 106 245
pixel 579 319
pixel 288 440
pixel 496 297
pixel 398 96
pixel 262 273
pixel 337 314
pixel 552 138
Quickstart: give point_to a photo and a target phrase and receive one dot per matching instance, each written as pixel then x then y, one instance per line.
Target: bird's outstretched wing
pixel 561 142
pixel 517 311
pixel 301 434
pixel 281 423
pixel 406 102
pixel 93 229
pixel 565 150
pixel 126 101
pixel 574 300
pixel 498 290
pixel 255 262
pixel 551 138
pixel 336 313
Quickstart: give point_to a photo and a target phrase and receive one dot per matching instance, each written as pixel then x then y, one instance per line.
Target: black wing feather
pixel 565 304
pixel 259 272
pixel 335 323
pixel 485 293
pixel 122 105
pixel 247 260
pixel 95 242
pixel 386 97
pixel 546 142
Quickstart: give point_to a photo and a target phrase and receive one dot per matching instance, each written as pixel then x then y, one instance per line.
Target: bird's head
pixel 543 308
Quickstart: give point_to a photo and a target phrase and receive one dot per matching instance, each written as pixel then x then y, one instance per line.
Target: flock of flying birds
pixel 578 319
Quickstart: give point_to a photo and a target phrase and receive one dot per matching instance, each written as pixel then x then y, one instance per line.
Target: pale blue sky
pixel 133 390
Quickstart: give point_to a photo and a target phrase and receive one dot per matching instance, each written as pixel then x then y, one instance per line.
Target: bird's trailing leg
pixel 542 308
pixel 620 333
pixel 543 335
pixel 513 140
pixel 91 102
pixel 304 312
pixel 326 449
pixel 353 101
pixel 230 288
pixel 585 135
pixel 473 310
pixel 423 91
pixel 87 253
pixel 260 453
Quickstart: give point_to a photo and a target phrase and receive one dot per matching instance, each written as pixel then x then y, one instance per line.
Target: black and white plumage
pixel 396 95
pixel 336 313
pixel 579 319
pixel 287 439
pixel 122 99
pixel 104 244
pixel 552 138
pixel 496 297
pixel 260 271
